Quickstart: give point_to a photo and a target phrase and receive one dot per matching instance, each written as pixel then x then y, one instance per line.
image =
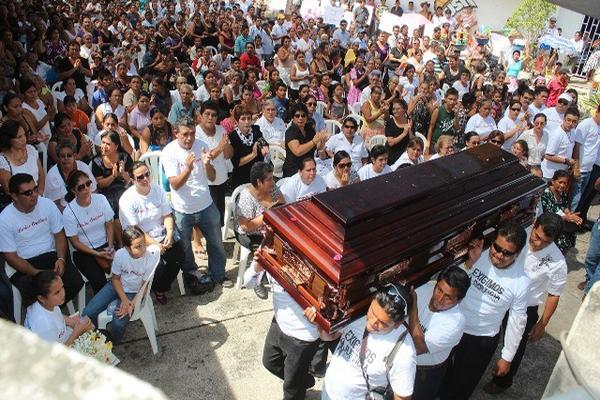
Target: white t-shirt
pixel 547 270
pixel 462 89
pixel 49 325
pixel 39 114
pixel 560 143
pixel 30 166
pixel 483 126
pixel 219 162
pixel 344 379
pixel 332 182
pixel 87 223
pixel 60 96
pixel 587 134
pixel 367 172
pixel 504 125
pixel 288 314
pixel 493 292
pixel 56 188
pixel 404 159
pixel 134 271
pixel 145 211
pixel 537 150
pixel 293 189
pixel 30 234
pixel 194 195
pixel 356 149
pixel 443 329
pixel 553 118
pixel 533 110
pixel 273 133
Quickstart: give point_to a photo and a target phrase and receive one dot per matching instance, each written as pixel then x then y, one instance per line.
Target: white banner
pixel 388 21
pixel 276 5
pixel 332 15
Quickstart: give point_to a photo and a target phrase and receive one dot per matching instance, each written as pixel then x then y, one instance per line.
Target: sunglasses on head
pixel 29 192
pixel 79 188
pixel 142 176
pixel 502 250
pixel 392 291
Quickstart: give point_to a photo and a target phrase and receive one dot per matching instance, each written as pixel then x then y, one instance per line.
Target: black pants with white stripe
pixel 466 366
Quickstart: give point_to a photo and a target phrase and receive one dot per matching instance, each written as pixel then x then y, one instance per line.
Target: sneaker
pixel 492 388
pixel 227 283
pixel 261 291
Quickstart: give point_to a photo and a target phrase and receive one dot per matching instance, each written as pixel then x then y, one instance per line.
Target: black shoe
pixel 317 373
pixel 493 388
pixel 310 381
pixel 261 291
pixel 197 286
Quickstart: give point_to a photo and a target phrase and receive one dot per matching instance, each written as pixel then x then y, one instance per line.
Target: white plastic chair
pixel 56 87
pixel 152 160
pixel 213 50
pixel 375 140
pixel 180 283
pixel 238 249
pixel 321 107
pixel 43 148
pixel 277 158
pixel 143 309
pixel 89 91
pixel 356 108
pixel 424 139
pixel 332 126
pixel 229 209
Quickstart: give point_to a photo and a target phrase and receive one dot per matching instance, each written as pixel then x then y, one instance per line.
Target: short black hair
pixel 17 180
pixel 513 233
pixel 456 278
pixel 572 111
pixel 377 151
pixel 259 172
pixel 396 305
pixel 451 91
pixel 551 224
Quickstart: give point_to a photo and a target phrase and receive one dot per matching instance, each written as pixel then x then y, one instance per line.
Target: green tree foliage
pixel 530 18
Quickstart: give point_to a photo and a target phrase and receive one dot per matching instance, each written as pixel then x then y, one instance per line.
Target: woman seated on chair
pixel 145 204
pixel 44 317
pixel 377 166
pixel 342 174
pixel 254 199
pixel 412 156
pixel 65 132
pixel 132 267
pixel 158 134
pixel 88 220
pixel 56 186
pixel 443 147
pixel 397 130
pixel 111 124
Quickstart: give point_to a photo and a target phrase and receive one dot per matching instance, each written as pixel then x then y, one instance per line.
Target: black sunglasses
pixel 515 109
pixel 350 126
pixel 496 141
pixel 299 115
pixel 29 192
pixel 345 165
pixel 79 188
pixel 503 251
pixel 142 176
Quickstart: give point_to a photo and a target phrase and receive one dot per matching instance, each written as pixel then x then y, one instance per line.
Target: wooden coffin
pixel 333 250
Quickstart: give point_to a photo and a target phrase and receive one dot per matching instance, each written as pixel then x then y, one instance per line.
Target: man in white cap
pixel 556 115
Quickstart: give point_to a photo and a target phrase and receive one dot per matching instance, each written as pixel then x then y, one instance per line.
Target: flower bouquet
pixel 94 344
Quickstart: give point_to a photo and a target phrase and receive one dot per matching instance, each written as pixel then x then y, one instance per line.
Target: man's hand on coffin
pixel 255 264
pixel 475 250
pixel 310 314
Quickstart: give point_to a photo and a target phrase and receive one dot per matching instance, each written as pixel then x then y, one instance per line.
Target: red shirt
pixel 556 87
pixel 246 60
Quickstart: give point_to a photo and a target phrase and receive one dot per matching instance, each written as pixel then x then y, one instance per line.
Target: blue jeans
pixel 592 258
pixel 100 302
pixel 209 222
pixel 577 189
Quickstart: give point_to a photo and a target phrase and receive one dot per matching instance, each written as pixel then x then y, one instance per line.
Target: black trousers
pixel 532 317
pixel 319 362
pixel 71 278
pixel 217 192
pixel 168 268
pixel 428 380
pixel 466 366
pixel 288 358
pixel 588 193
pixel 89 267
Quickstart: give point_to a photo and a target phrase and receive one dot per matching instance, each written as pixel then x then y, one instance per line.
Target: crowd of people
pixel 233 97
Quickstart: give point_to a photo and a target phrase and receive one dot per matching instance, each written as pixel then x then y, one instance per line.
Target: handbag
pixel 380 392
pixel 104 264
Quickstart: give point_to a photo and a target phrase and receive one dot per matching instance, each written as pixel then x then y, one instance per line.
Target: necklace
pixel 246 139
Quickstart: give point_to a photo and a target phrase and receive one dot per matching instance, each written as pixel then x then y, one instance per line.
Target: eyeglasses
pixel 515 109
pixel 79 188
pixel 496 141
pixel 298 115
pixel 350 126
pixel 503 251
pixel 392 291
pixel 142 176
pixel 29 192
pixel 345 165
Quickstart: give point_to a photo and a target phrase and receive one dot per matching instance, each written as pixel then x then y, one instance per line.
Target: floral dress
pixel 550 203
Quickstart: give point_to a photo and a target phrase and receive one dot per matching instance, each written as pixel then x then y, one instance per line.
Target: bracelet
pixel 61 259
